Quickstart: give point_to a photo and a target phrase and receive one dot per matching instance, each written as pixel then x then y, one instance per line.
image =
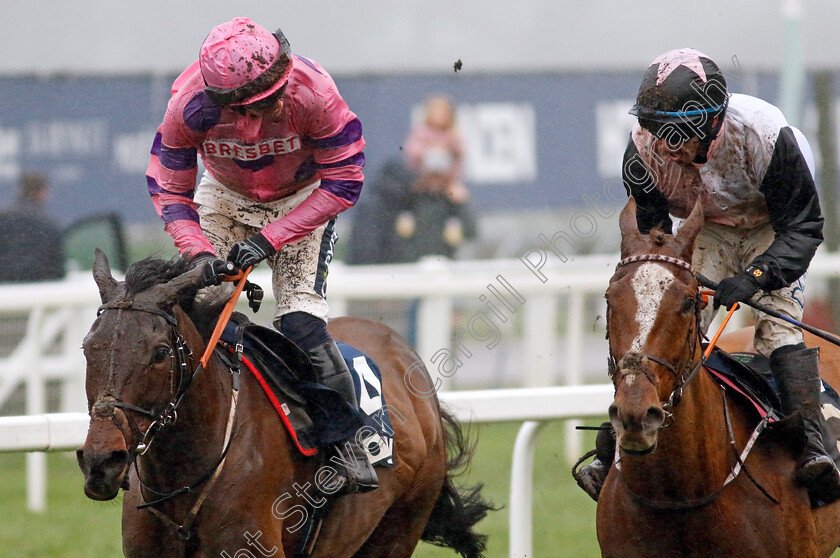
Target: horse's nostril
pixel 107 464
pixel 654 418
pixel 80 459
pixel 613 413
pixel 116 460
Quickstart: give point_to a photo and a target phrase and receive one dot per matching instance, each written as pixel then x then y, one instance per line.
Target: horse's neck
pixel 692 457
pixel 196 438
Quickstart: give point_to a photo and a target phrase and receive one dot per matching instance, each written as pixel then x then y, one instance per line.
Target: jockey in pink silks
pixel 283 156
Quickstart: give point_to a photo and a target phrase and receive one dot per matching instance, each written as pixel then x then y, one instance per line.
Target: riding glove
pixel 739 288
pixel 251 251
pixel 213 268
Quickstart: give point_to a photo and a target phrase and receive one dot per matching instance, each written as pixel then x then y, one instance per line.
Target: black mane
pixel 145 274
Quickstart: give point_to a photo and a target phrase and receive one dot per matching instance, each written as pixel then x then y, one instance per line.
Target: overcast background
pixel 384 36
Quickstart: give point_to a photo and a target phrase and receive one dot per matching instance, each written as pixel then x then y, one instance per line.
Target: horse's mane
pixel 146 273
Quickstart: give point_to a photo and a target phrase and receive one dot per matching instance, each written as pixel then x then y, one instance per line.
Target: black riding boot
pixel 346 457
pixel 591 477
pixel 796 370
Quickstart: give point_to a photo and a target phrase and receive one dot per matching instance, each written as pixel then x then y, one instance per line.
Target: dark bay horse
pixel 231 483
pixel 669 494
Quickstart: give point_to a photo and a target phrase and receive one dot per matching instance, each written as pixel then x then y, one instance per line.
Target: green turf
pixel 72 526
pixel 75 527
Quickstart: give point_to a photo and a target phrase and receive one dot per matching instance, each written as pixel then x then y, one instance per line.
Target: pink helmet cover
pixel 688 57
pixel 238 52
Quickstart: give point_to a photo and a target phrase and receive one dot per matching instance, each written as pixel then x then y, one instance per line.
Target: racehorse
pixel 678 434
pixel 220 465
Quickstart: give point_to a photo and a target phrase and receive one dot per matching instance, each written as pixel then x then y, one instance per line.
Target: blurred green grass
pixel 75 527
pixel 71 527
pixel 563 515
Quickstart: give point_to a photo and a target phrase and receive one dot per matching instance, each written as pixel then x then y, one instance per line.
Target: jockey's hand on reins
pixel 214 269
pixel 708 283
pixel 255 295
pixel 740 288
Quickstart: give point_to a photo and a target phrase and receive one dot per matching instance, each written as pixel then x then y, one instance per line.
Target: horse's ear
pixel 689 229
pixel 630 235
pixel 108 286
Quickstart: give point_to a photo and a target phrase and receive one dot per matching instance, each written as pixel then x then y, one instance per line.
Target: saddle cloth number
pixel 371 405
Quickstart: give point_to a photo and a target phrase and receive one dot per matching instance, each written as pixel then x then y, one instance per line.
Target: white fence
pixel 58 314
pixel 527 291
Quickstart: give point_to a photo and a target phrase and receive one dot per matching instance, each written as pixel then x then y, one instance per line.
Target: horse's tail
pixel 457 511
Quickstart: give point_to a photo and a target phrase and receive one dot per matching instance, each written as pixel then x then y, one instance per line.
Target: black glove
pixel 213 268
pixel 255 295
pixel 740 288
pixel 251 251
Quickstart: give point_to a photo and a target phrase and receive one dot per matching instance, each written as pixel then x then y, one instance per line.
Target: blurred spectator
pixel 374 239
pixel 438 218
pixel 31 240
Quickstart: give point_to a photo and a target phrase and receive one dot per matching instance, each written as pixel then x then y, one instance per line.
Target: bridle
pixel 683 372
pixel 182 361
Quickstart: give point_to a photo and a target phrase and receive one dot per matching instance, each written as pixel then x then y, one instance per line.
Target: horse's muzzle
pixel 104 460
pixel 637 416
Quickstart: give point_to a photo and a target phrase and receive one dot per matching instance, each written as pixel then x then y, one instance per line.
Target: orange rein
pixel 717 335
pixel 242 276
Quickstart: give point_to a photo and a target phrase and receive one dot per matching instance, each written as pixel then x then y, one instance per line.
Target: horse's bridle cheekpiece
pixel 687 372
pixel 181 357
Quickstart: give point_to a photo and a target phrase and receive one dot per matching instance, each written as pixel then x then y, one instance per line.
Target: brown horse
pixel 669 493
pixel 228 480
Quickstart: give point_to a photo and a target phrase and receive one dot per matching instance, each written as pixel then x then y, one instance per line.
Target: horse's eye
pixel 161 353
pixel 688 305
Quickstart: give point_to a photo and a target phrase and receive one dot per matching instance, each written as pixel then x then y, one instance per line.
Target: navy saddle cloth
pixel 315 414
